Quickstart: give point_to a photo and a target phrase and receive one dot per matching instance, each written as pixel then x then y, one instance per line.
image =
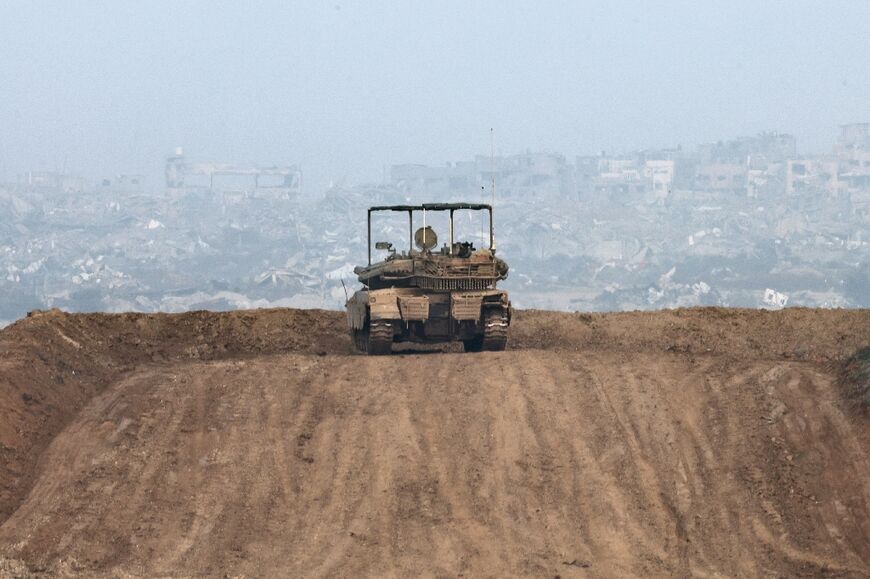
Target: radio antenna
pixel 482 194
pixel 492 169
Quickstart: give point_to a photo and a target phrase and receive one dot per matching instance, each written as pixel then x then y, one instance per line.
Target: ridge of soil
pixel 697 441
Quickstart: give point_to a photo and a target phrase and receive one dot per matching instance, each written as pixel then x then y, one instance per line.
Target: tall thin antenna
pixel 492 169
pixel 482 194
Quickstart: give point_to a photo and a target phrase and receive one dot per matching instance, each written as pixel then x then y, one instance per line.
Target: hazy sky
pixel 345 88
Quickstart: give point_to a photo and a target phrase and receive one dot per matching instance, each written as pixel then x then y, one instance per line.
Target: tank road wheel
pixel 380 339
pixel 495 331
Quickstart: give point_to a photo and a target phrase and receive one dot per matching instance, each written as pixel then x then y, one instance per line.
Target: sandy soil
pixel 702 442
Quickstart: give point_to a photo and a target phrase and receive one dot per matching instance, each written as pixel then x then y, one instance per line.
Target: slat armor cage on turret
pixel 424 295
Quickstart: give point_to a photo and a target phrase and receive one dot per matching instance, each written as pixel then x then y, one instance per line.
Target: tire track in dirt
pixel 516 463
pixel 53 363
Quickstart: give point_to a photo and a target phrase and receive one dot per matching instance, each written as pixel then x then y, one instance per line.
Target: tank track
pixel 495 331
pixel 494 337
pixel 380 339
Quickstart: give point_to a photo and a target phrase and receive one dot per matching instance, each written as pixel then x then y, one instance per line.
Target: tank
pixel 430 294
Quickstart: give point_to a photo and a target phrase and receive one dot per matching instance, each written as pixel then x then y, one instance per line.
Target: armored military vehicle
pixel 429 294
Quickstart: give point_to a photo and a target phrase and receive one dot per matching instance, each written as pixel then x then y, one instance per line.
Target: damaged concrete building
pixel 280 182
pixel 646 229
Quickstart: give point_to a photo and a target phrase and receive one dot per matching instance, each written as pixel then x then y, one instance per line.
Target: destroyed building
pixel 277 182
pixel 51 182
pixel 632 231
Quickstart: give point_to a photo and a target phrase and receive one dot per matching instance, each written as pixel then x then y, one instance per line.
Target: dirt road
pixel 638 454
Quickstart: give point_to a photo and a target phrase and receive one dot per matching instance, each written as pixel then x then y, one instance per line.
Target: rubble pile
pixel 744 223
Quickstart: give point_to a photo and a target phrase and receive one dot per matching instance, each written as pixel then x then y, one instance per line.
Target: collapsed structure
pixel 274 181
pixel 619 232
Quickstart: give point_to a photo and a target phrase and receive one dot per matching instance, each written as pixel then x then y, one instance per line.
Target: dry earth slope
pixel 706 442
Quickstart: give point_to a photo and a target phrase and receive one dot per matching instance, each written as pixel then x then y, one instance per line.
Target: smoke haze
pixel 347 88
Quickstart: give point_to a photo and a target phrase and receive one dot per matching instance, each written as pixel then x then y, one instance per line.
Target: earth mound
pixel 689 442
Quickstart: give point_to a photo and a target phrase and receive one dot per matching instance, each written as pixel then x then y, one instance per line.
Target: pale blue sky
pixel 347 87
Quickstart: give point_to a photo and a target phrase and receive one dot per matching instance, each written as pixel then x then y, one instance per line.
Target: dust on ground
pixel 687 442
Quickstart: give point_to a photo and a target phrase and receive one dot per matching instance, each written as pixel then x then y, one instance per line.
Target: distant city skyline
pixel 156 178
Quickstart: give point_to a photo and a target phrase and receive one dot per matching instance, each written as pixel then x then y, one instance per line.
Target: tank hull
pixel 377 318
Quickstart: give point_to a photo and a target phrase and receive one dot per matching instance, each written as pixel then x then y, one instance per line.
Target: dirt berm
pixel 703 442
